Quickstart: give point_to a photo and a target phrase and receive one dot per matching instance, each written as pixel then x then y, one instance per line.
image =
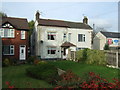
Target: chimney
pixel 37 15
pixel 85 20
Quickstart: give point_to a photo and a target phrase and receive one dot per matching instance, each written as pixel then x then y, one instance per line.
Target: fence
pixel 112 58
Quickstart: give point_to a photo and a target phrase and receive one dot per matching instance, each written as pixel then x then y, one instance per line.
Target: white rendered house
pixel 52 39
pixel 110 38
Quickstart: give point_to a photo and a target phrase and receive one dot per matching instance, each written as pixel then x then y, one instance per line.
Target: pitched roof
pixel 67 44
pixel 111 34
pixel 18 23
pixel 61 23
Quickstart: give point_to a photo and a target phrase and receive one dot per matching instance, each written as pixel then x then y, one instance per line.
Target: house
pixel 102 38
pixel 14 33
pixel 55 38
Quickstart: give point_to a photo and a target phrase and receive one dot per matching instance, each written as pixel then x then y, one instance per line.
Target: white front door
pixel 22 52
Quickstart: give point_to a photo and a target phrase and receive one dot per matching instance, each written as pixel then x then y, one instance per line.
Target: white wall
pixel 99 41
pixel 42 35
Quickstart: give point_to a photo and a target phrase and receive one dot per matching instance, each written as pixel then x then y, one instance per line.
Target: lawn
pixel 16 74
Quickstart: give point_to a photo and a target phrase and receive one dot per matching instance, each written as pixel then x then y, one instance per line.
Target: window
pixel 8 49
pixel 7 33
pixel 1 32
pixel 22 34
pixel 69 36
pixel 64 36
pixel 51 35
pixel 81 37
pixel 51 50
pixel 80 49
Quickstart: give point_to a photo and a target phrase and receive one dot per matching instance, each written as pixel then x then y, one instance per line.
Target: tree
pixel 2 14
pixel 31 26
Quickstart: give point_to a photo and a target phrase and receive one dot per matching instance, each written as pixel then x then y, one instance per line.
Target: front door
pixel 22 52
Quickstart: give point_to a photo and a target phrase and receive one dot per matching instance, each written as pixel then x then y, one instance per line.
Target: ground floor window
pixel 8 49
pixel 51 50
pixel 80 48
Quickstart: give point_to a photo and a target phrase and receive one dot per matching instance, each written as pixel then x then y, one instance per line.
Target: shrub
pixel 92 56
pixel 69 79
pixel 6 62
pixel 79 55
pixel 31 59
pixel 36 62
pixel 42 62
pixel 106 47
pixel 45 72
pixel 96 57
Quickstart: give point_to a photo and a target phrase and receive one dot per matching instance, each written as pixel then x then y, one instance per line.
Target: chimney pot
pixel 85 20
pixel 37 15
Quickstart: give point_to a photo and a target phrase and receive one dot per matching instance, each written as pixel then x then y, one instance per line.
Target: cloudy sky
pixel 102 14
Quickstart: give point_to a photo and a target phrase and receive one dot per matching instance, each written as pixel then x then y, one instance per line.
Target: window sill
pixel 9 54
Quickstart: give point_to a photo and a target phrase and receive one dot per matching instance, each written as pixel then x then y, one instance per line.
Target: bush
pixel 106 47
pixel 92 56
pixel 69 79
pixel 31 59
pixel 6 62
pixel 36 62
pixel 96 57
pixel 45 72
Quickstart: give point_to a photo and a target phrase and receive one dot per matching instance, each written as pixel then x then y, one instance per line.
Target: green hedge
pixel 45 72
pixel 91 56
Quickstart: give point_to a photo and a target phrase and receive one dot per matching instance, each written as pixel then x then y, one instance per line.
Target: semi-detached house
pixel 14 34
pixel 53 39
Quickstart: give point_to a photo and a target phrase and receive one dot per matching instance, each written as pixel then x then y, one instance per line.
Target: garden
pixel 87 72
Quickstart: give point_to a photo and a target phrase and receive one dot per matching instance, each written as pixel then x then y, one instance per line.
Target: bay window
pixel 7 33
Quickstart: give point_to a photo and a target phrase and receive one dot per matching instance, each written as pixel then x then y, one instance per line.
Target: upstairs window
pixel 8 49
pixel 22 34
pixel 51 50
pixel 51 35
pixel 7 33
pixel 81 37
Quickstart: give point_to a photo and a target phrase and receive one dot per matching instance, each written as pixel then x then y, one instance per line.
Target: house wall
pixel 17 41
pixel 0 50
pixel 99 41
pixel 41 34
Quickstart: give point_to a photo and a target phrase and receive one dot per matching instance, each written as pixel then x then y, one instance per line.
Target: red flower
pixel 7 83
pixel 11 87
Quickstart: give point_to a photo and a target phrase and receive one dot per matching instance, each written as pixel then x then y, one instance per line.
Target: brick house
pixel 14 33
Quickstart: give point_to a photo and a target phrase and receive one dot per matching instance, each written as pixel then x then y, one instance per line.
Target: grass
pixel 16 74
pixel 82 68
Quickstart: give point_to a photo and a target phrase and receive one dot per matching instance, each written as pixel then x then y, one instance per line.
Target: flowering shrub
pixel 69 79
pixel 9 85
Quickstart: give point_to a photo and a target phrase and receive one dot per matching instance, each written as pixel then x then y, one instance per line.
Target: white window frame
pixel 82 38
pixel 49 50
pixel 49 35
pixel 10 33
pixel 22 34
pixel 11 48
pixel 1 32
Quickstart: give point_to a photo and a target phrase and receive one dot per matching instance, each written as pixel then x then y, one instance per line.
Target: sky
pixel 102 14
